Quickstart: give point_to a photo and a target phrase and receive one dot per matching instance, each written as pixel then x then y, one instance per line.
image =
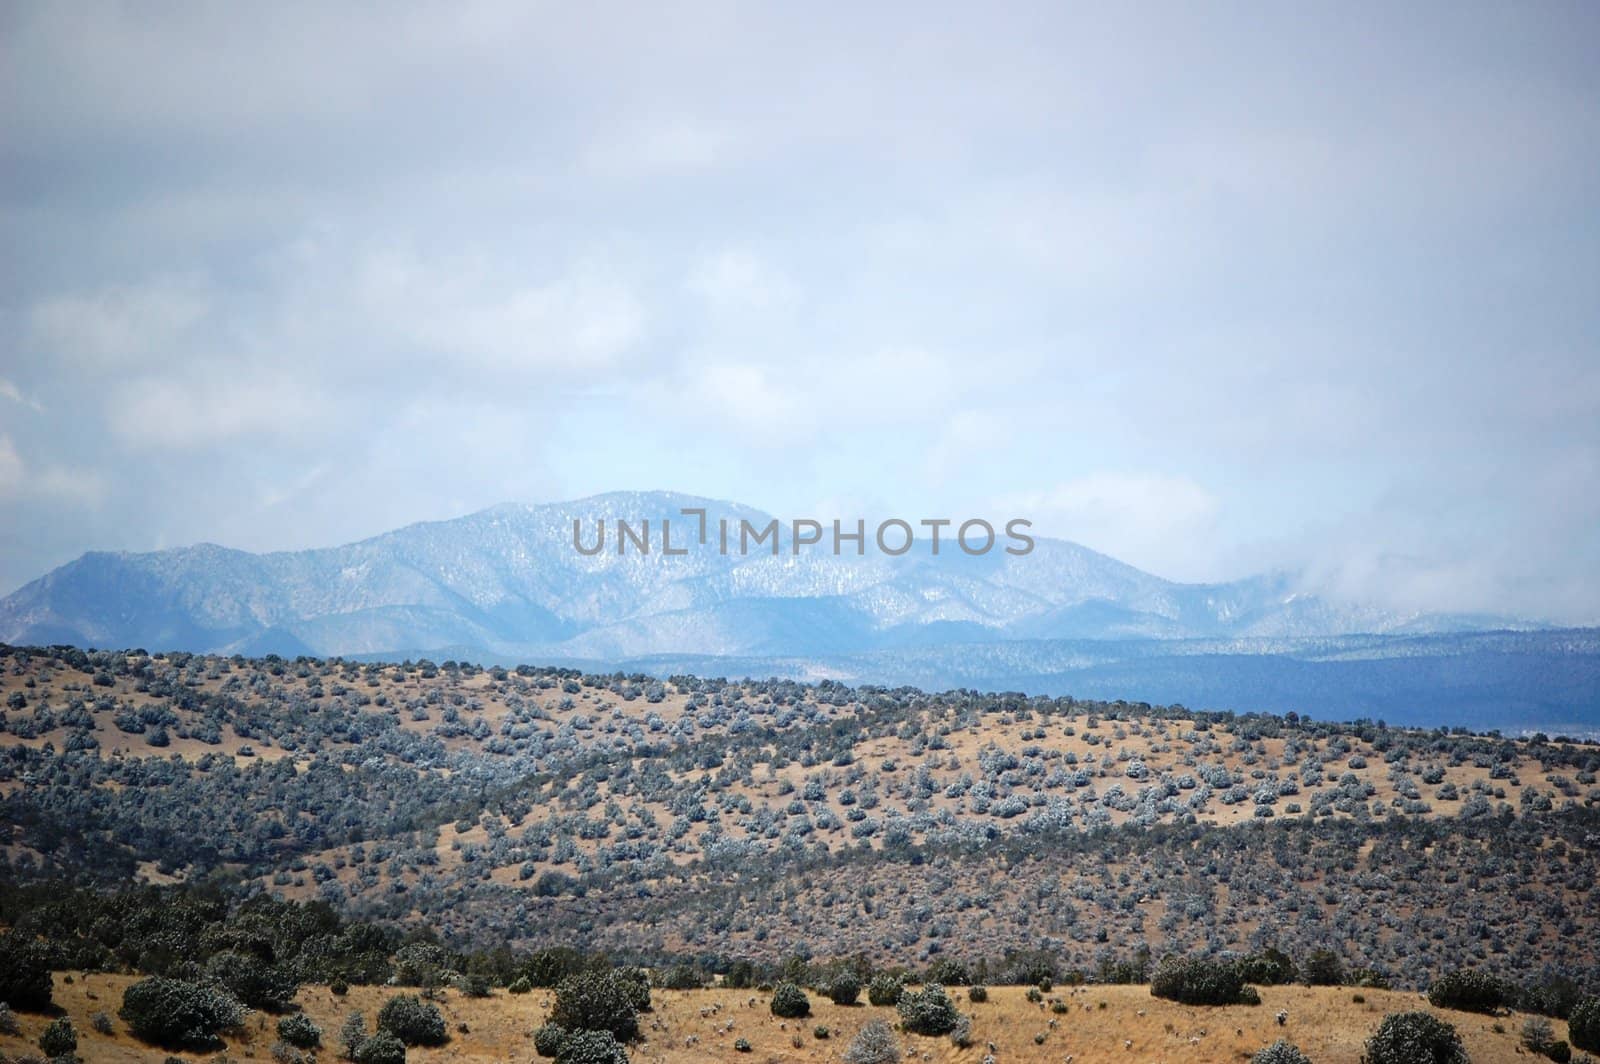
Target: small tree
pixel 885 989
pixel 1281 1052
pixel 1415 1038
pixel 1583 1024
pixel 380 1048
pixel 300 1031
pixel 59 1039
pixel 255 983
pixel 24 973
pixel 928 1011
pixel 1198 981
pixel 352 1034
pixel 875 1044
pixel 1467 990
pixel 547 1039
pixel 591 1047
pixel 790 1002
pixel 1537 1035
pixel 597 1001
pixel 1324 968
pixel 844 988
pixel 412 1020
pixel 177 1014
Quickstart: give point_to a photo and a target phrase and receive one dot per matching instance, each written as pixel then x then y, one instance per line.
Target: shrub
pixel 1281 1052
pixel 1583 1024
pixel 412 1020
pixel 1415 1038
pixel 1197 981
pixel 790 1002
pixel 821 1031
pixel 178 1014
pixel 1467 990
pixel 948 972
pixel 520 985
pixel 351 1034
pixel 547 1039
pixel 339 987
pixel 741 1045
pixel 875 1044
pixel 1560 1052
pixel 1035 995
pixel 1267 968
pixel 255 983
pixel 59 1039
pixel 636 983
pixel 380 1048
pixel 961 1034
pixel 24 973
pixel 977 993
pixel 102 1023
pixel 8 1020
pixel 597 1001
pixel 1324 968
pixel 928 1011
pixel 844 988
pixel 473 984
pixel 1537 1034
pixel 299 1031
pixel 1248 995
pixel 1369 978
pixel 591 1047
pixel 681 977
pixel 885 989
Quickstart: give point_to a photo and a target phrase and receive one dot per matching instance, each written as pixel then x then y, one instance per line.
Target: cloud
pixel 53 483
pixel 9 390
pixel 119 324
pixel 1157 522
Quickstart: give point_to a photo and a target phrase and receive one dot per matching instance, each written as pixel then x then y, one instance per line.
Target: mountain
pixel 508 580
pixel 508 584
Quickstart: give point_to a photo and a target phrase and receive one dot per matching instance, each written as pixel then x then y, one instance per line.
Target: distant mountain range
pixel 506 584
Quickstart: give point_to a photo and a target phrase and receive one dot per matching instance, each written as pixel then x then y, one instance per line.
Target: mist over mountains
pixel 507 584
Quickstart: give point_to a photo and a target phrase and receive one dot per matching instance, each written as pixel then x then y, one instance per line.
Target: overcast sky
pixel 1208 287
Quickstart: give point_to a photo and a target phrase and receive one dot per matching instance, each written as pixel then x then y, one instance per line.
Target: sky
pixel 1212 288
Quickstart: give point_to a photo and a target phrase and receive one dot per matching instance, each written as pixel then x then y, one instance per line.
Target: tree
pixel 300 1031
pixel 412 1020
pixel 1583 1024
pixel 844 988
pixel 1198 981
pixel 1468 990
pixel 380 1048
pixel 597 1001
pixel 885 989
pixel 24 973
pixel 351 1034
pixel 177 1014
pixel 252 981
pixel 790 1002
pixel 59 1039
pixel 928 1011
pixel 1324 968
pixel 591 1047
pixel 1415 1038
pixel 1281 1052
pixel 875 1044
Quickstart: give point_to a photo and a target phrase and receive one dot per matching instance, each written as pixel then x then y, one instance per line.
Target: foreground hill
pixel 507 585
pixel 703 818
pixel 1100 1023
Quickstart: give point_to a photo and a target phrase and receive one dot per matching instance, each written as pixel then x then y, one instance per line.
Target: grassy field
pixel 1101 1023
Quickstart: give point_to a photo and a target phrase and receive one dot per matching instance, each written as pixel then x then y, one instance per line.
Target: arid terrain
pixel 1102 1023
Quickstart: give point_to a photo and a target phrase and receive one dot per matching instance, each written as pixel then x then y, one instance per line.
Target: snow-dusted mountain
pixel 507 582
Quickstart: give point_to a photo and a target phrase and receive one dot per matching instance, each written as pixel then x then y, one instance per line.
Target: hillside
pixel 1101 1023
pixel 694 817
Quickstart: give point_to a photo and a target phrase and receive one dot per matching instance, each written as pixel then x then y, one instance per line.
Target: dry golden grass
pixel 1113 1023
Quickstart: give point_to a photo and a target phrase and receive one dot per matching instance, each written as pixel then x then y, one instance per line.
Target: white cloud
pixel 50 483
pixel 118 325
pixel 9 390
pixel 1160 523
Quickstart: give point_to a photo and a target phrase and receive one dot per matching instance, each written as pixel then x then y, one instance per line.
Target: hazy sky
pixel 1209 287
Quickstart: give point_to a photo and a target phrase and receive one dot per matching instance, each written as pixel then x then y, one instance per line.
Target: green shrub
pixel 1583 1024
pixel 977 993
pixel 1559 1052
pixel 598 1001
pixel 1281 1052
pixel 681 977
pixel 1415 1038
pixel 1324 968
pixel 820 1032
pixel 1249 995
pixel 547 1039
pixel 339 988
pixel 1197 981
pixel 844 988
pixel 790 1002
pixel 1268 968
pixel 412 1020
pixel 591 1047
pixel 885 989
pixel 1467 990
pixel 928 1011
pixel 1537 1035
pixel 299 1031
pixel 351 1034
pixel 58 1039
pixel 1368 978
pixel 380 1048
pixel 251 980
pixel 24 973
pixel 520 985
pixel 1035 995
pixel 636 983
pixel 947 971
pixel 741 1045
pixel 178 1014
